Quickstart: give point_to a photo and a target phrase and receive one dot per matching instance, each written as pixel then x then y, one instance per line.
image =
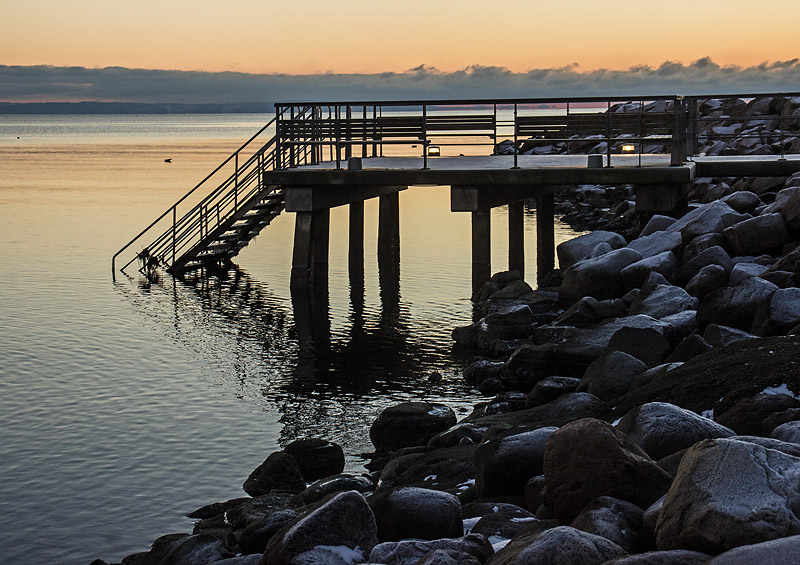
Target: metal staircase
pixel 202 233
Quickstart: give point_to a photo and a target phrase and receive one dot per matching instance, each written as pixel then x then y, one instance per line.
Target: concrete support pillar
pixel 310 255
pixel 516 237
pixel 355 256
pixel 545 236
pixel 481 249
pixel 389 249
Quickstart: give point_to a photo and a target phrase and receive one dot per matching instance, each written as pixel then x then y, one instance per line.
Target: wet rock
pixel 317 458
pixel 408 552
pixel 482 369
pixel 736 306
pixel 660 300
pixel 343 520
pixel 589 310
pixel 758 234
pixel 454 436
pixel 279 471
pixel 549 389
pixel 335 483
pixel 662 429
pixel 599 277
pixel 570 545
pixel 256 535
pixel 503 466
pixel 707 218
pixel 722 336
pixel 783 551
pixel 674 557
pixel 742 201
pixel 590 458
pixel 707 280
pixel 729 493
pixel 636 274
pixel 579 248
pixel 513 322
pixel 611 375
pixel 412 512
pixel 788 432
pixel 409 424
pixel 745 417
pixel 615 520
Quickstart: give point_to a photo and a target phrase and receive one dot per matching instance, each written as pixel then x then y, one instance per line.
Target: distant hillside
pixel 133 108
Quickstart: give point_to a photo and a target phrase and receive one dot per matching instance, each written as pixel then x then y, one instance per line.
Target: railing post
pixel 516 115
pixel 292 148
pixel 338 137
pixel 348 133
pixel 278 133
pixel 236 181
pixel 691 126
pixel 425 137
pixel 174 222
pixel 609 125
pixel 678 133
pixel 364 128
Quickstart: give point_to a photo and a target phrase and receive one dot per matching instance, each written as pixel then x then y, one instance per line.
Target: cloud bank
pixel 118 84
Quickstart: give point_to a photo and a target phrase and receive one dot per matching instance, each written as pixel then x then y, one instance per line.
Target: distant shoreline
pixel 20 108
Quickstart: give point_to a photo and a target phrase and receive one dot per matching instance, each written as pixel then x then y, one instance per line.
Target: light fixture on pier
pixel 433 151
pixel 628 148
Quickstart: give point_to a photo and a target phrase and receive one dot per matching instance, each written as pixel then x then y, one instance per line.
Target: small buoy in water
pixel 168 160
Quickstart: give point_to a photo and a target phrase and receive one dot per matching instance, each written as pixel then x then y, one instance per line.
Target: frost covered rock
pixel 579 248
pixel 343 521
pixel 729 493
pixel 590 458
pixel 788 432
pixel 503 466
pixel 662 429
pixel 783 551
pixel 409 424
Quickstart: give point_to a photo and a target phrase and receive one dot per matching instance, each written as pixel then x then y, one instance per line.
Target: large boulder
pixel 589 310
pixel 413 550
pixel 736 306
pixel 674 557
pixel 550 388
pixel 611 375
pixel 729 493
pixel 599 277
pixel 657 223
pixel 412 512
pixel 279 471
pixel 317 458
pixel 647 344
pixel 615 520
pixel 579 248
pixel 345 521
pixel 787 203
pixel 746 416
pixel 656 243
pixel 700 244
pixel 183 549
pixel 589 458
pixel 742 201
pixel 636 274
pixel 563 545
pixel 662 429
pixel 758 234
pixel 707 280
pixel 660 300
pixel 715 255
pixel 707 218
pixel 503 466
pixel 782 315
pixel 335 483
pixel 409 424
pixel 783 551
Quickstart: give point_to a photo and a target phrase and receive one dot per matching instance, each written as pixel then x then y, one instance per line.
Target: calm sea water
pixel 124 405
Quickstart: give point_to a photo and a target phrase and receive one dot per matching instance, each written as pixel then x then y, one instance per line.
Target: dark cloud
pixel 48 83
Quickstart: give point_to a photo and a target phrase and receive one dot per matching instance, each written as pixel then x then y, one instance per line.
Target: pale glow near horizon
pixel 360 36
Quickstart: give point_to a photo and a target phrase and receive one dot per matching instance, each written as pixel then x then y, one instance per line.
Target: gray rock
pixel 448 468
pixel 757 234
pixel 788 432
pixel 448 557
pixel 611 375
pixel 599 277
pixel 682 323
pixel 409 424
pixel 183 549
pixel 784 311
pixel 409 552
pixel 771 443
pixel 742 201
pixel 636 274
pixel 279 471
pixel 503 466
pixel 746 415
pixel 691 346
pixel 654 374
pixel 674 557
pixel 783 551
pixel 729 493
pixel 590 458
pixel 782 279
pixel 712 256
pixel 317 458
pixel 722 336
pixel 599 249
pixel 657 223
pixel 506 522
pixel 615 520
pixel 661 300
pixel 549 389
pixel 335 483
pixel 707 280
pixel 700 244
pixel 656 243
pixel 589 310
pixel 563 545
pixel 742 271
pixel 577 249
pixel 254 559
pixel 787 203
pixel 707 218
pixel 650 516
pixel 649 345
pixel 662 429
pixel 420 513
pixel 736 306
pixel 516 321
pixel 256 535
pixel 343 520
pixel 565 408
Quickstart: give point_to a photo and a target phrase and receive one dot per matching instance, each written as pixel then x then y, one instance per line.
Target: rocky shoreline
pixel 643 407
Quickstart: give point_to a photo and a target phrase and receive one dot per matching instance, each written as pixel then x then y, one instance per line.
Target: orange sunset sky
pixel 360 36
